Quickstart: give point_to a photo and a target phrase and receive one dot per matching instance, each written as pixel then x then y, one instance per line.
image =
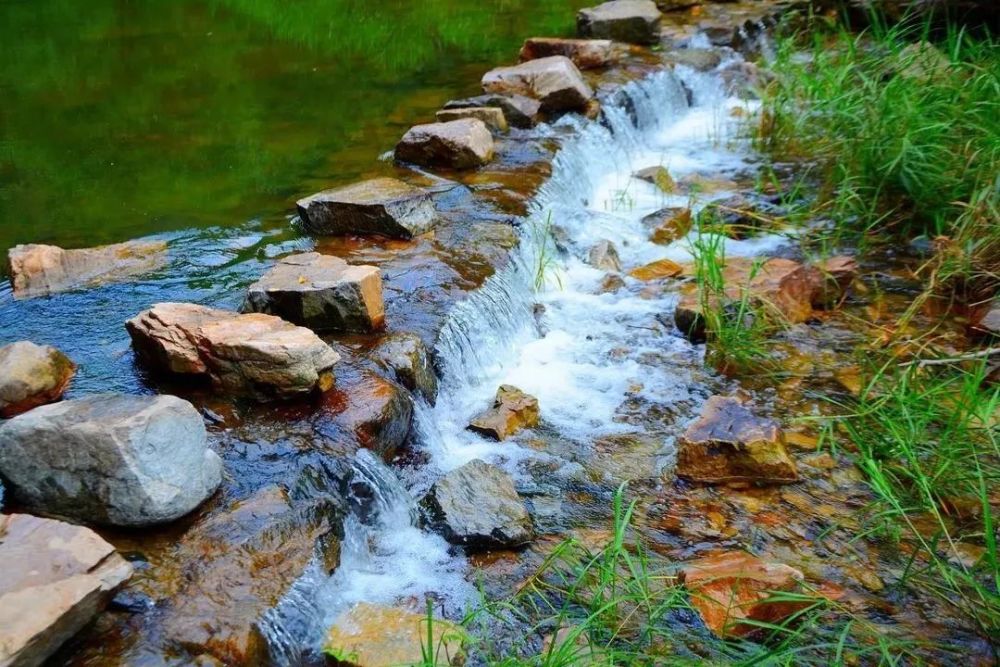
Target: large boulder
pixel 37 269
pixel 585 53
pixel 110 458
pixel 735 592
pixel 379 206
pixel 406 356
pixel 519 110
pixel 512 411
pixel 370 635
pixel 492 116
pixel 56 578
pixel 457 144
pixel 255 355
pixel 633 21
pixel 728 444
pixel 321 292
pixel 554 81
pixel 31 375
pixel 476 506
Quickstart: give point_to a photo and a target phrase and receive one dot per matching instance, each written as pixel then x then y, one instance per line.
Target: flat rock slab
pixel 728 444
pixel 379 206
pixel 31 375
pixel 56 578
pixel 519 110
pixel 554 81
pixel 110 458
pixel 255 355
pixel 512 411
pixel 493 117
pixel 585 53
pixel 465 143
pixel 321 292
pixel 632 21
pixel 370 635
pixel 476 506
pixel 38 269
pixel 658 270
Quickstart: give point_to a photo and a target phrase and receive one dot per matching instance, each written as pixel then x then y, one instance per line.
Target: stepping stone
pixel 585 53
pixel 632 21
pixel 31 375
pixel 458 144
pixel 519 110
pixel 321 292
pixel 554 81
pixel 379 206
pixel 493 117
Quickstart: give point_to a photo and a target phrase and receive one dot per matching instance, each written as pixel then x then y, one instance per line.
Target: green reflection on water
pixel 120 118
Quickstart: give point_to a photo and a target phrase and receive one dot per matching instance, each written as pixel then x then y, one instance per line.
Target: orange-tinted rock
pixel 675 223
pixel 833 276
pixel 56 578
pixel 604 256
pixel 585 53
pixel 31 375
pixel 728 444
pixel 370 635
pixel 662 268
pixel 493 117
pixel 512 411
pixel 732 590
pixel 658 176
pixel 610 283
pixel 378 412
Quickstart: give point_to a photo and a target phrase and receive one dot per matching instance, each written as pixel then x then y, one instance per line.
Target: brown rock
pixel 379 206
pixel 492 116
pixel 254 355
pixel 632 21
pixel 833 276
pixel 519 110
pixel 658 176
pixel 31 375
pixel 728 444
pixel 56 578
pixel 37 269
pixel 554 81
pixel 379 414
pixel 512 411
pixel 369 635
pixel 661 268
pixel 585 53
pixel 458 144
pixel 604 256
pixel 406 356
pixel 731 588
pixel 674 223
pixel 611 282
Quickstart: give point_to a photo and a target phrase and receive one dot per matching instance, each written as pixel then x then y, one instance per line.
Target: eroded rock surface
pixel 554 81
pixel 255 355
pixel 512 411
pixel 658 270
pixel 728 444
pixel 321 292
pixel 110 458
pixel 56 578
pixel 476 506
pixel 633 21
pixel 379 206
pixel 406 356
pixel 32 375
pixel 585 53
pixel 370 635
pixel 457 144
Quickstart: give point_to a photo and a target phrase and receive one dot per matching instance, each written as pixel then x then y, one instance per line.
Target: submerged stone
pixel 519 110
pixel 110 458
pixel 56 578
pixel 632 21
pixel 255 355
pixel 728 444
pixel 493 117
pixel 370 635
pixel 32 375
pixel 585 53
pixel 604 256
pixel 512 411
pixel 554 81
pixel 379 206
pixel 321 292
pixel 457 144
pixel 477 506
pixel 406 356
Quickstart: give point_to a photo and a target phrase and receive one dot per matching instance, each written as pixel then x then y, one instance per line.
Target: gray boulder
pixel 554 81
pixel 379 206
pixel 31 375
pixel 465 143
pixel 321 292
pixel 405 355
pixel 633 21
pixel 476 506
pixel 519 110
pixel 604 256
pixel 110 458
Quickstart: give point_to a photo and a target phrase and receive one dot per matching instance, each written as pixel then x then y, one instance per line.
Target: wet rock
pixel 671 223
pixel 458 144
pixel 321 292
pixel 37 269
pixel 379 414
pixel 31 375
pixel 406 356
pixel 728 444
pixel 370 635
pixel 700 59
pixel 612 282
pixel 110 458
pixel 632 21
pixel 248 559
pixel 833 276
pixel 585 53
pixel 519 110
pixel 379 206
pixel 255 355
pixel 661 268
pixel 493 117
pixel 988 321
pixel 659 176
pixel 554 81
pixel 476 506
pixel 744 79
pixel 604 256
pixel 730 588
pixel 56 578
pixel 512 411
